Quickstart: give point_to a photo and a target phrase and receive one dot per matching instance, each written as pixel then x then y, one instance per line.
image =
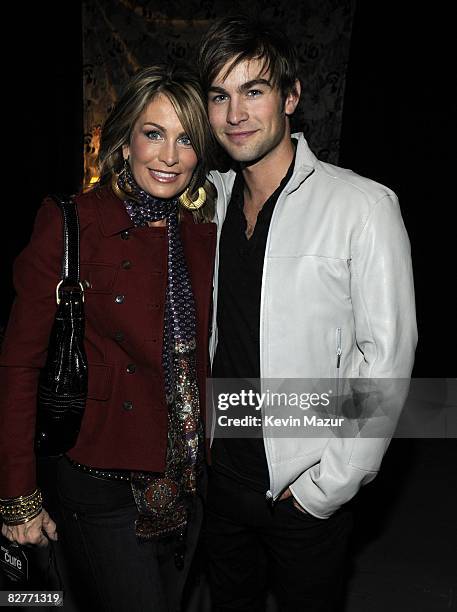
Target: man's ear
pixel 292 98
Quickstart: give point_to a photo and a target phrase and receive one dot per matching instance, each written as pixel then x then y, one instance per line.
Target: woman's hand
pixel 32 532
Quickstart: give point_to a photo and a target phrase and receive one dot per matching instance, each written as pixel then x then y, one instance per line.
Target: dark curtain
pixel 121 37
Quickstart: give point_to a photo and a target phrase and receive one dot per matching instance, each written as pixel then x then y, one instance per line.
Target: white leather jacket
pixel 337 300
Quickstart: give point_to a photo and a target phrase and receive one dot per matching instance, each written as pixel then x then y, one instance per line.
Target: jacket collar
pixel 114 218
pixel 111 212
pixel 305 164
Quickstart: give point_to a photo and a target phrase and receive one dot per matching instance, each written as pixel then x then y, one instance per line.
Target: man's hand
pixel 287 493
pixel 32 532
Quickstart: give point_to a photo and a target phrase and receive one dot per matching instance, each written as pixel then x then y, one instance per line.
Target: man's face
pixel 248 115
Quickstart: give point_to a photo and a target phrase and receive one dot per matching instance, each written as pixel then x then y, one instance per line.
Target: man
pixel 314 281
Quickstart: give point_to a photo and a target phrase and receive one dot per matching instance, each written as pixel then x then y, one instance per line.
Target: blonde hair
pixel 181 86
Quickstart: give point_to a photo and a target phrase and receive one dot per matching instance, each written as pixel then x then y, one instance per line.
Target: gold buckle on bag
pixel 58 287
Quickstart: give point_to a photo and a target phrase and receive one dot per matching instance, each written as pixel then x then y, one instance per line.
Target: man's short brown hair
pixel 232 40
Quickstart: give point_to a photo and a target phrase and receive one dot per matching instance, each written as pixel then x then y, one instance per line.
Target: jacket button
pixel 126 264
pixel 119 299
pixel 131 368
pixel 125 235
pixel 127 405
pixel 119 336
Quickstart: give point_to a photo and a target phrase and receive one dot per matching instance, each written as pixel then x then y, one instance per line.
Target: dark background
pixel 397 119
pixel 398 128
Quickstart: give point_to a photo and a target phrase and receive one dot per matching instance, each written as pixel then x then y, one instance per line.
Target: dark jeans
pixel 113 570
pixel 252 547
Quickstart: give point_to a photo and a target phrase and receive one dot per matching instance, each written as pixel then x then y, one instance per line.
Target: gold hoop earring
pixel 186 201
pixel 121 193
pixel 115 187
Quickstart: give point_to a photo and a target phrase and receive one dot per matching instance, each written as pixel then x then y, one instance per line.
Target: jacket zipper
pixel 269 494
pixel 269 497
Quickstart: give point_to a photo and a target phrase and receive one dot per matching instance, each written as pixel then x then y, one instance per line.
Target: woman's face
pixel 160 153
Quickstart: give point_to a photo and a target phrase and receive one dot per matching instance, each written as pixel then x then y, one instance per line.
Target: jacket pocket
pixel 338 353
pixel 98 277
pixel 339 350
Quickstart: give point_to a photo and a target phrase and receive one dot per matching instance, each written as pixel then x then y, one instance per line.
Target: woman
pixel 128 488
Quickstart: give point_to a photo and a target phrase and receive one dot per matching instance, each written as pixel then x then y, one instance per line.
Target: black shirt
pixel 238 321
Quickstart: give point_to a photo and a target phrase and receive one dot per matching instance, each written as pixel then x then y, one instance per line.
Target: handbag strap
pixel 70 258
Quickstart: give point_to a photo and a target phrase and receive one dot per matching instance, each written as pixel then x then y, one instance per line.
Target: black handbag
pixel 62 386
pixel 29 567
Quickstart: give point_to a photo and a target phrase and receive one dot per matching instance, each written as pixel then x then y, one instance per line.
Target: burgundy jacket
pixel 124 270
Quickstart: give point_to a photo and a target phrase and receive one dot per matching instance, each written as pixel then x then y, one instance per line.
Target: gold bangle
pixel 24 520
pixel 19 510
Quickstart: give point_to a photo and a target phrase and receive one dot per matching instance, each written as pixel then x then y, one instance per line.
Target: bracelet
pixel 20 510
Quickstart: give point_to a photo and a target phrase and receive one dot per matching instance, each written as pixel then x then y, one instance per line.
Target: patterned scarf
pixel 164 499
